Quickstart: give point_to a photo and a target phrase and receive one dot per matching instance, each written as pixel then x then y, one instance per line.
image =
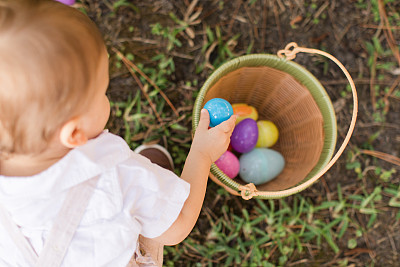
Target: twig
pixel 316 14
pixel 300 5
pixel 379 124
pixel 249 15
pixel 146 47
pixel 388 33
pixel 254 31
pixel 321 9
pixel 328 192
pixel 389 93
pixel 357 251
pixel 133 66
pixel 392 243
pixel 356 81
pixel 281 5
pixel 264 24
pixel 395 97
pixel 208 54
pixel 295 20
pixel 343 33
pixel 310 251
pixel 143 91
pixel 143 40
pixel 180 140
pixel 370 26
pixel 386 157
pixel 298 262
pixel 238 4
pixel 278 24
pixel 271 252
pixel 176 54
pixel 189 10
pixel 209 13
pixel 372 79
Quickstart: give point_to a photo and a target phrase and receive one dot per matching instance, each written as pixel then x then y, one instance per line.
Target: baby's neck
pixel 28 165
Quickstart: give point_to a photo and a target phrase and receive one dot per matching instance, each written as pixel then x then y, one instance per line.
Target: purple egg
pixel 244 136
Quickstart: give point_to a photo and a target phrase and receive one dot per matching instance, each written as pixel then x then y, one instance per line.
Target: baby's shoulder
pixel 107 150
pixel 132 170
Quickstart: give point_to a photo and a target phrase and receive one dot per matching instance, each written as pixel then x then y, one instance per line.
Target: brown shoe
pixel 156 154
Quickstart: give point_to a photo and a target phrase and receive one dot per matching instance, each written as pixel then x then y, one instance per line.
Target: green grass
pixel 274 232
pixel 318 226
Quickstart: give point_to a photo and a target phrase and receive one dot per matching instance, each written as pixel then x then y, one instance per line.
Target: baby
pixel 72 194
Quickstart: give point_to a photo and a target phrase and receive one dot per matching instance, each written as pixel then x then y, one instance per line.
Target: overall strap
pixel 19 239
pixel 62 232
pixel 66 223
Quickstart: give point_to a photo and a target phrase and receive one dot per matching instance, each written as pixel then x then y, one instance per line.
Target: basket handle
pixel 248 191
pixel 289 53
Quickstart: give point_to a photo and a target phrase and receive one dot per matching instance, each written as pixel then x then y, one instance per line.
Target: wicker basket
pixel 288 95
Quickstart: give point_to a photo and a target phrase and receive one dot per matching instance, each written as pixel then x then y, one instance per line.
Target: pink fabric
pixel 148 254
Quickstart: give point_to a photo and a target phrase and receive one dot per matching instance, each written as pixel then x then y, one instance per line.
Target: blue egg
pixel 261 165
pixel 219 109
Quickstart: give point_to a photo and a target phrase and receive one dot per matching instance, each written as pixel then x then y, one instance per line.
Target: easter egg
pixel 244 111
pixel 67 2
pixel 219 109
pixel 261 165
pixel 267 133
pixel 229 164
pixel 244 136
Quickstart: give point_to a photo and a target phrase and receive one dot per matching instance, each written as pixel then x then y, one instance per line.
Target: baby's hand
pixel 212 143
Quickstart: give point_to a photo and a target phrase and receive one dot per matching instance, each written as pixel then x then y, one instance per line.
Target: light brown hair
pixel 49 55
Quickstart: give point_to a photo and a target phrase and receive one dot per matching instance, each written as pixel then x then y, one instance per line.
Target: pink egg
pixel 229 164
pixel 67 2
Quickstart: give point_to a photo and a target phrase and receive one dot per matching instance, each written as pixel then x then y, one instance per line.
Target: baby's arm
pixel 208 145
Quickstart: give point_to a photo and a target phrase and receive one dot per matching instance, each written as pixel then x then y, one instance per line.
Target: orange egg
pixel 244 111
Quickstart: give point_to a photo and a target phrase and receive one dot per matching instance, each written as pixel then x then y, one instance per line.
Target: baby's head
pixel 53 64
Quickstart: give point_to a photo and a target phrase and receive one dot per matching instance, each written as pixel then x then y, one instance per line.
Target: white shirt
pixel 133 196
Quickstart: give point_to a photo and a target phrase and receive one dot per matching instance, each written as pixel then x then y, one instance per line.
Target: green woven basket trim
pixel 298 72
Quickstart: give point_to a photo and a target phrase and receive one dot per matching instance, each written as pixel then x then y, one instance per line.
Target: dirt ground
pixel 341 27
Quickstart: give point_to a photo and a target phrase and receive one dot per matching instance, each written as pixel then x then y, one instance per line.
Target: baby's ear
pixel 71 134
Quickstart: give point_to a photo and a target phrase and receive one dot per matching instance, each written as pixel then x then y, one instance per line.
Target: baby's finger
pixel 204 120
pixel 228 125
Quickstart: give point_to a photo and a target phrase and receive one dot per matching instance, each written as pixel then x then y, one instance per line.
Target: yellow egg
pixel 244 111
pixel 267 133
